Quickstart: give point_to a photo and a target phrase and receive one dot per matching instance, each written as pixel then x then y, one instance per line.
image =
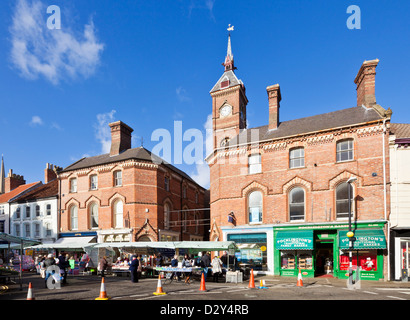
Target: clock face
pixel 225 110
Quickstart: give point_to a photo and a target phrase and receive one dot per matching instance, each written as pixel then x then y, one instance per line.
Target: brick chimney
pixel 365 81
pixel 50 172
pixel 120 137
pixel 12 181
pixel 274 97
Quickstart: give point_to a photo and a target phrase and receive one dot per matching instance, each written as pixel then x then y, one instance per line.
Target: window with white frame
pixel 17 213
pixel 297 158
pixel 1 210
pixel 255 201
pixel 93 216
pixel 118 214
pixel 37 210
pixel 344 150
pixel 73 185
pixel 27 232
pixel 28 209
pixel 37 230
pixel 74 217
pixel 93 182
pixel 118 178
pixel 48 209
pixel 297 204
pixel 17 230
pixel 48 229
pixel 254 163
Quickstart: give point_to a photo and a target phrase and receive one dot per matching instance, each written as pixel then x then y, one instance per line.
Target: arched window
pixel 255 207
pixel 118 214
pixel 297 204
pixel 342 200
pixel 93 211
pixel 167 210
pixel 74 218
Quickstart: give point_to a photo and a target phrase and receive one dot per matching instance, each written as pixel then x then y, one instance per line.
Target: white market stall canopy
pixel 67 244
pixel 193 246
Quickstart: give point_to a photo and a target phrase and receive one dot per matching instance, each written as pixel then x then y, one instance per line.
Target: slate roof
pixel 44 191
pixel 139 153
pixel 324 121
pixel 233 81
pixel 400 130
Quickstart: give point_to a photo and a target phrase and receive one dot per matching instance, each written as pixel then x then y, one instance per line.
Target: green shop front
pixel 323 250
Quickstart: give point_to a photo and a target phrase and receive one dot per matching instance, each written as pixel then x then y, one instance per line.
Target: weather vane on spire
pixel 230 28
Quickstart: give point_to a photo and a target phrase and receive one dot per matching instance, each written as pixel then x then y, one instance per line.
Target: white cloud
pixel 102 130
pixel 55 54
pixel 202 174
pixel 182 95
pixel 36 121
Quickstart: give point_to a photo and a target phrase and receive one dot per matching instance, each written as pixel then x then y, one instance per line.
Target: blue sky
pixel 150 63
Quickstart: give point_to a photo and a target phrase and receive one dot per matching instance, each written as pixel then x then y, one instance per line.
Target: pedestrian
pixel 139 269
pixel 158 260
pixel 187 263
pixel 103 265
pixel 216 267
pixel 224 259
pixel 50 261
pixel 174 264
pixel 205 263
pixel 42 267
pixel 63 265
pixel 134 269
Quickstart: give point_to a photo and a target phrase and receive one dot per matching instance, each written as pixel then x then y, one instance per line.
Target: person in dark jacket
pixel 134 269
pixel 47 263
pixel 174 264
pixel 205 263
pixel 63 265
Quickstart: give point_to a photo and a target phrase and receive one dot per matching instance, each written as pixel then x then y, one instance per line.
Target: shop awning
pixel 294 240
pixel 365 239
pixel 67 243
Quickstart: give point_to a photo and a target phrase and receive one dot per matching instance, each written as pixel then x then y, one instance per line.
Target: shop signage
pixel 364 239
pixel 294 240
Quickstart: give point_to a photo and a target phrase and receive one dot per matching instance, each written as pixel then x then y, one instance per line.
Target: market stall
pixel 11 242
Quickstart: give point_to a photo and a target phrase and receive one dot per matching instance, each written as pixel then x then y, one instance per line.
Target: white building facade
pixel 399 147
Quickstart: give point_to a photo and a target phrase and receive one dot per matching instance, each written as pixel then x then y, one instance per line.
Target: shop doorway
pixel 324 259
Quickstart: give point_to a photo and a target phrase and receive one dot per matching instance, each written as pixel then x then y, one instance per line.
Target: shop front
pixel 254 249
pixel 323 250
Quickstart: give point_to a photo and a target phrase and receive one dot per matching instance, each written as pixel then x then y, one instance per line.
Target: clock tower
pixel 228 103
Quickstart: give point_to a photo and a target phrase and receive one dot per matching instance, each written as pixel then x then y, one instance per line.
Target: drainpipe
pixel 385 198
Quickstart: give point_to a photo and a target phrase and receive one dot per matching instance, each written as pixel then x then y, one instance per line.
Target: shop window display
pixel 366 260
pixel 288 260
pixel 297 259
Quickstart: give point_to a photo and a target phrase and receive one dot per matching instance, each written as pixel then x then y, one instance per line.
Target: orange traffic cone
pixel 202 287
pixel 251 281
pixel 300 282
pixel 30 295
pixel 103 293
pixel 159 287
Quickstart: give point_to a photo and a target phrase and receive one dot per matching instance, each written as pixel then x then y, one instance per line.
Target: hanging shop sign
pixel 294 240
pixel 364 239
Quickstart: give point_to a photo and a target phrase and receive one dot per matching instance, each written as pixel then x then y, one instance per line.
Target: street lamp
pixel 350 234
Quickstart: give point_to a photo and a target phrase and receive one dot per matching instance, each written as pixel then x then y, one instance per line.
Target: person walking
pixel 63 265
pixel 134 269
pixel 205 263
pixel 187 263
pixel 103 265
pixel 216 267
pixel 50 261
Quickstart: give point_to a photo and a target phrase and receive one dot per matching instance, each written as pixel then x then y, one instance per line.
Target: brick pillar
pixel 120 137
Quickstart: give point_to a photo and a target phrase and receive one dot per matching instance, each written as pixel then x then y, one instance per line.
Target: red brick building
pixel 280 191
pixel 130 195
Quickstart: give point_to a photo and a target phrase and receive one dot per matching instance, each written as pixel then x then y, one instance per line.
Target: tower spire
pixel 228 64
pixel 2 176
